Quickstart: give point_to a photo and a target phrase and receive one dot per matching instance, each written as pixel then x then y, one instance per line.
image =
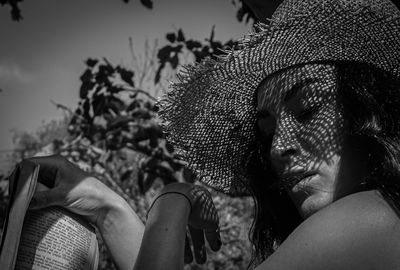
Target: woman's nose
pixel 284 145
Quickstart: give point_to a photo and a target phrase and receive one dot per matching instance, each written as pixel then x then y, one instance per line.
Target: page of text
pixel 56 239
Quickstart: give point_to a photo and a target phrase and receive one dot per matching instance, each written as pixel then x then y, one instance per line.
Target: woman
pixel 304 117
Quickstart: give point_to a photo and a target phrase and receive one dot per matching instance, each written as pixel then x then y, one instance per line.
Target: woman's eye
pixel 307 113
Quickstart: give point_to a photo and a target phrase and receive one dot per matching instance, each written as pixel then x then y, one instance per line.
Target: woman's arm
pixel 164 237
pixel 122 232
pixel 121 229
pixel 179 205
pixel 68 186
pixel 359 231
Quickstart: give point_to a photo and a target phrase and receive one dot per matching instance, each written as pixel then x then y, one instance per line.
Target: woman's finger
pixel 188 251
pixel 198 242
pixel 51 197
pixel 214 239
pixel 49 166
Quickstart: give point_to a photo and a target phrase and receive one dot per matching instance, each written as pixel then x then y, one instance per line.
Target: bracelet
pixel 168 192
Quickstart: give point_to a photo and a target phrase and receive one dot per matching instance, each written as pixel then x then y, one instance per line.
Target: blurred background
pixel 80 78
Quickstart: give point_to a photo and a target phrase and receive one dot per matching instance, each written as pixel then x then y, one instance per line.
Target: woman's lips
pixel 291 179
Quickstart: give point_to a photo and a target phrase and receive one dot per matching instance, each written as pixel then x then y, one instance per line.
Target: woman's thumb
pixel 42 199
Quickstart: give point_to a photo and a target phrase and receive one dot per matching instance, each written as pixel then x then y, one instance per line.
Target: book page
pixel 54 238
pixel 21 188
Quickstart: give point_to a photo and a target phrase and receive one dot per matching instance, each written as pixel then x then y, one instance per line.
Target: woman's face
pixel 299 110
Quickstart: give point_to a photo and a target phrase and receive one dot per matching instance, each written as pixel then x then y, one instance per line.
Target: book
pixel 49 238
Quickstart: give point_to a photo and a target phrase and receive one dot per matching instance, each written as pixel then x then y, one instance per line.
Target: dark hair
pixel 371 103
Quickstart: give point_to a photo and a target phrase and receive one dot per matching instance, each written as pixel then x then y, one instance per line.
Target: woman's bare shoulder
pixel 359 231
pixel 359 208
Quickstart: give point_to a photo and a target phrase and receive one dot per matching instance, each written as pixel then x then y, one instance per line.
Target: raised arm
pixel 79 192
pixel 178 206
pixel 120 227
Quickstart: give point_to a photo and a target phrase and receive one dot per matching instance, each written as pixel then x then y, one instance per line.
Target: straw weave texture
pixel 209 114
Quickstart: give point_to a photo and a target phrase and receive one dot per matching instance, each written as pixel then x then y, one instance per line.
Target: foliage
pixel 115 134
pixel 178 44
pixel 15 11
pixel 235 222
pixel 113 114
pixel 30 143
pixel 244 13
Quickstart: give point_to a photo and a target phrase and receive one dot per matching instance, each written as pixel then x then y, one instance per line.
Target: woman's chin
pixel 309 205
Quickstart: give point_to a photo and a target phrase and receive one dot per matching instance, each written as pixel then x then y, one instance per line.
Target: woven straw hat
pixel 209 115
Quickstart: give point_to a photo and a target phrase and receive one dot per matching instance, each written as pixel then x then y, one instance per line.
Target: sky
pixel 42 56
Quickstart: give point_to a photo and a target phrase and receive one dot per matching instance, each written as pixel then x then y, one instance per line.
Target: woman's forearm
pixel 164 236
pixel 122 232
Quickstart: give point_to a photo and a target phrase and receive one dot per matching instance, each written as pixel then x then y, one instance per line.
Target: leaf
pixel 141 113
pixel 147 131
pixel 171 37
pixel 181 37
pixel 167 173
pixel 86 76
pixel 86 86
pixel 91 62
pixel 174 61
pixel 134 104
pixel 114 89
pixel 147 3
pixel 158 73
pixel 148 181
pixel 115 104
pixel 106 69
pixel 154 141
pixel 212 34
pixel 119 121
pixel 126 175
pixel 164 52
pixel 100 121
pixel 98 104
pixel 151 163
pixel 192 44
pixel 150 106
pixel 127 76
pixel 217 47
pixel 140 176
pixel 86 110
pixel 205 50
pixel 245 13
pixel 16 14
pixel 15 11
pixel 175 165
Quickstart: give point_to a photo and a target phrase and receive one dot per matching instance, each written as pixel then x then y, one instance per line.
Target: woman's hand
pixel 203 221
pixel 81 193
pixel 73 189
